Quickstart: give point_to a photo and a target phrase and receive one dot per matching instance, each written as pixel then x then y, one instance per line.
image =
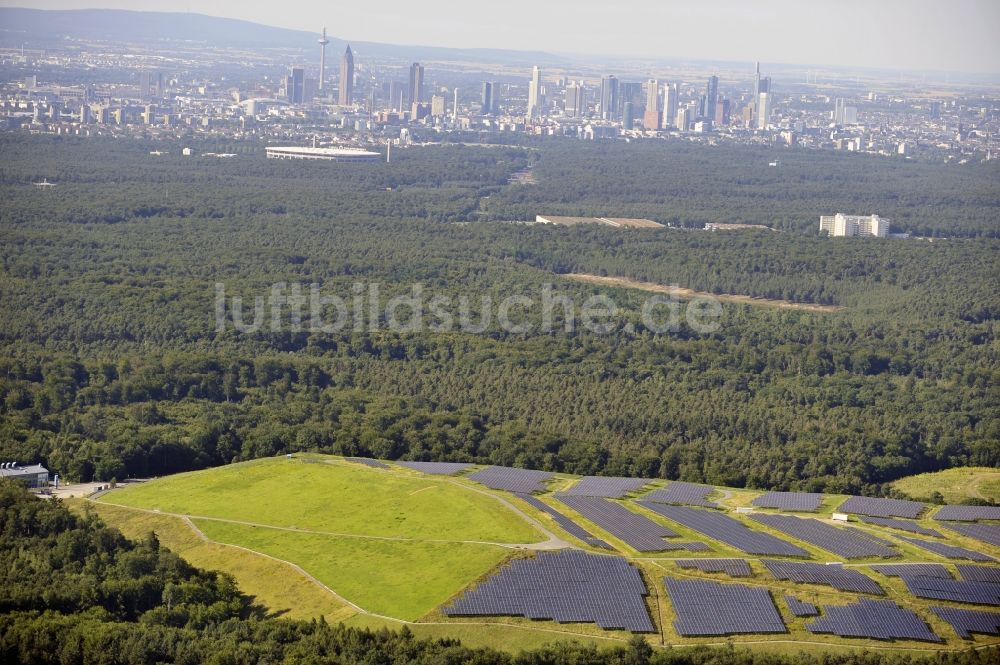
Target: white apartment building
pixel 854 225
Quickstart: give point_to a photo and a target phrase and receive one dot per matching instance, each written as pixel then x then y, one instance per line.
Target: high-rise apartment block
pixel 854 225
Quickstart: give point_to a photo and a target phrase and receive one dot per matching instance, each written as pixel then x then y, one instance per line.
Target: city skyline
pixel 892 35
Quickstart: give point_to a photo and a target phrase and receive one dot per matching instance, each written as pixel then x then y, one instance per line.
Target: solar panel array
pixel 966 622
pixel 805 502
pixel 512 480
pixel 949 551
pixel 637 531
pixel 437 468
pixel 913 569
pixel 902 525
pixel 866 505
pixel 876 619
pixel 611 488
pixel 847 542
pixel 935 588
pixel 710 608
pixel 565 586
pixel 988 533
pixel 731 567
pixel 840 578
pixel 727 530
pixel 566 523
pixel 968 513
pixel 979 573
pixel 368 461
pixel 683 494
pixel 800 609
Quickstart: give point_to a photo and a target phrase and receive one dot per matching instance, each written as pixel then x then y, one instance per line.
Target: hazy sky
pixel 959 35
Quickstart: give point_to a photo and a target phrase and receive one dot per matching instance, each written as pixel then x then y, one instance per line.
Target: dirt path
pixel 689 294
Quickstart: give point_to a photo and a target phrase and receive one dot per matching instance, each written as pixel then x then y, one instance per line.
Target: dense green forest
pixel 111 364
pixel 75 591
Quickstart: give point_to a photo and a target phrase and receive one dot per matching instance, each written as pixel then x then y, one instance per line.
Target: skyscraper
pixel 711 96
pixel 670 100
pixel 346 89
pixel 295 85
pixel 575 100
pixel 763 110
pixel 145 80
pixel 323 41
pixel 609 97
pixel 486 100
pixel 651 120
pixel 535 93
pixel 395 96
pixel 415 93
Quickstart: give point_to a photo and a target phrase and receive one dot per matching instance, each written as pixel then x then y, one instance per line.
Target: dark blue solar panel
pixel 727 530
pixel 966 622
pixel 511 480
pixel 988 533
pixel 683 494
pixel 608 487
pixel 437 468
pixel 731 567
pixel 846 542
pixel 637 531
pixel 840 578
pixel 912 570
pixel 866 505
pixel 979 573
pixel 874 619
pixel 800 609
pixel 949 551
pixel 566 523
pixel 968 513
pixel 902 525
pixel 367 461
pixel 565 586
pixel 710 608
pixel 803 502
pixel 935 588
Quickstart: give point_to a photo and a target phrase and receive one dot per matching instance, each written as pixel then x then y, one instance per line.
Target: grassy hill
pixel 955 485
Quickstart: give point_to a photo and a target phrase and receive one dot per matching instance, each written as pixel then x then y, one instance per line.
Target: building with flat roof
pixel 616 222
pixel 34 475
pixel 840 225
pixel 329 154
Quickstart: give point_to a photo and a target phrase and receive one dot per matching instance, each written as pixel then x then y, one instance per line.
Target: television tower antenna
pixel 323 41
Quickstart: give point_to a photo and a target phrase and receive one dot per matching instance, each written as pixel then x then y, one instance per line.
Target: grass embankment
pixel 955 485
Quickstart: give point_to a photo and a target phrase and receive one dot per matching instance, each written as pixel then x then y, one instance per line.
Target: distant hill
pixel 37 28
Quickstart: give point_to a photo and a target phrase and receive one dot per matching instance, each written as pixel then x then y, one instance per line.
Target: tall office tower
pixel 763 110
pixel 323 41
pixel 145 82
pixel 454 106
pixel 85 115
pixel 609 97
pixel 575 101
pixel 711 97
pixel 295 85
pixel 535 93
pixel 935 110
pixel 721 115
pixel 486 99
pixel 628 116
pixel 756 81
pixel 437 105
pixel 651 119
pixel 670 99
pixel 683 118
pixel 415 93
pixel 765 84
pixel 346 90
pixel 395 96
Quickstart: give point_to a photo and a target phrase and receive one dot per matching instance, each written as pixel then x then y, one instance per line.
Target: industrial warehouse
pixel 328 154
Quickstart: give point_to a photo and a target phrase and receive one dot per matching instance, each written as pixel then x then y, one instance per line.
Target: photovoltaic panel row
pixel 710 608
pixel 902 525
pixel 637 531
pixel 840 578
pixel 510 479
pixel 968 513
pixel 804 502
pixel 913 569
pixel 874 619
pixel 608 487
pixel 565 586
pixel 979 573
pixel 988 533
pixel 437 468
pixel 368 461
pixel 846 542
pixel 568 525
pixel 682 494
pixel 966 622
pixel 866 505
pixel 800 609
pixel 949 551
pixel 727 530
pixel 935 588
pixel 731 567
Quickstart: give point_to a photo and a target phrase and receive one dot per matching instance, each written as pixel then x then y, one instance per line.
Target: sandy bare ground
pixel 689 294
